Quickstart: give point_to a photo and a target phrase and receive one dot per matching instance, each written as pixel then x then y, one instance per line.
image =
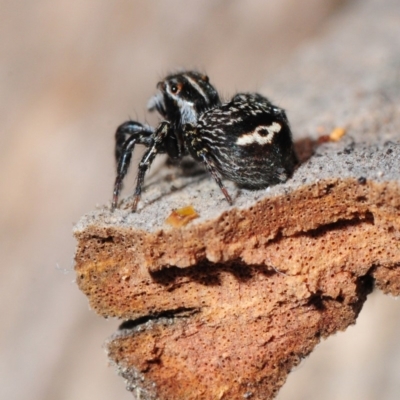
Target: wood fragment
pixel 181 216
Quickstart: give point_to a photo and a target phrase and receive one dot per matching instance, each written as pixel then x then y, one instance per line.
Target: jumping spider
pixel 246 140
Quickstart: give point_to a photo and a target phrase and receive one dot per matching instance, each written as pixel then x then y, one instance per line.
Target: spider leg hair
pixel 156 147
pixel 127 135
pixel 142 134
pixel 200 151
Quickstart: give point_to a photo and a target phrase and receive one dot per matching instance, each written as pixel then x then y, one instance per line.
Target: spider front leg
pixel 156 147
pixel 199 151
pixel 127 135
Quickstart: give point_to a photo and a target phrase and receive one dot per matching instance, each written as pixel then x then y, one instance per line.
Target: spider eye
pixel 175 88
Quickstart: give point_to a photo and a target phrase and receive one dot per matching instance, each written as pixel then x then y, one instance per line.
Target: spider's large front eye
pixel 175 88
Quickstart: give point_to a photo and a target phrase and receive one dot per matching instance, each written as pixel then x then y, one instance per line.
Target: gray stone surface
pixel 353 157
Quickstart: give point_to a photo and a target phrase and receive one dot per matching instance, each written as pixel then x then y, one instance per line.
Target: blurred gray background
pixel 70 73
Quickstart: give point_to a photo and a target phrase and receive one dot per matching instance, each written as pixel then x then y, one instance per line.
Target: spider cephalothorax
pixel 182 97
pixel 246 140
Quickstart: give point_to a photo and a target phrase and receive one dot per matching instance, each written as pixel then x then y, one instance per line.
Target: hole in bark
pixel 180 312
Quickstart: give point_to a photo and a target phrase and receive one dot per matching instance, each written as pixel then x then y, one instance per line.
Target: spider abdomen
pixel 249 141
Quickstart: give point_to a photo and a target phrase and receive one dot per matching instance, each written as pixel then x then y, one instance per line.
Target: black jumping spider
pixel 246 140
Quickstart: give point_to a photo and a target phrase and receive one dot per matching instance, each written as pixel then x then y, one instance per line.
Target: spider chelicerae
pixel 246 140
